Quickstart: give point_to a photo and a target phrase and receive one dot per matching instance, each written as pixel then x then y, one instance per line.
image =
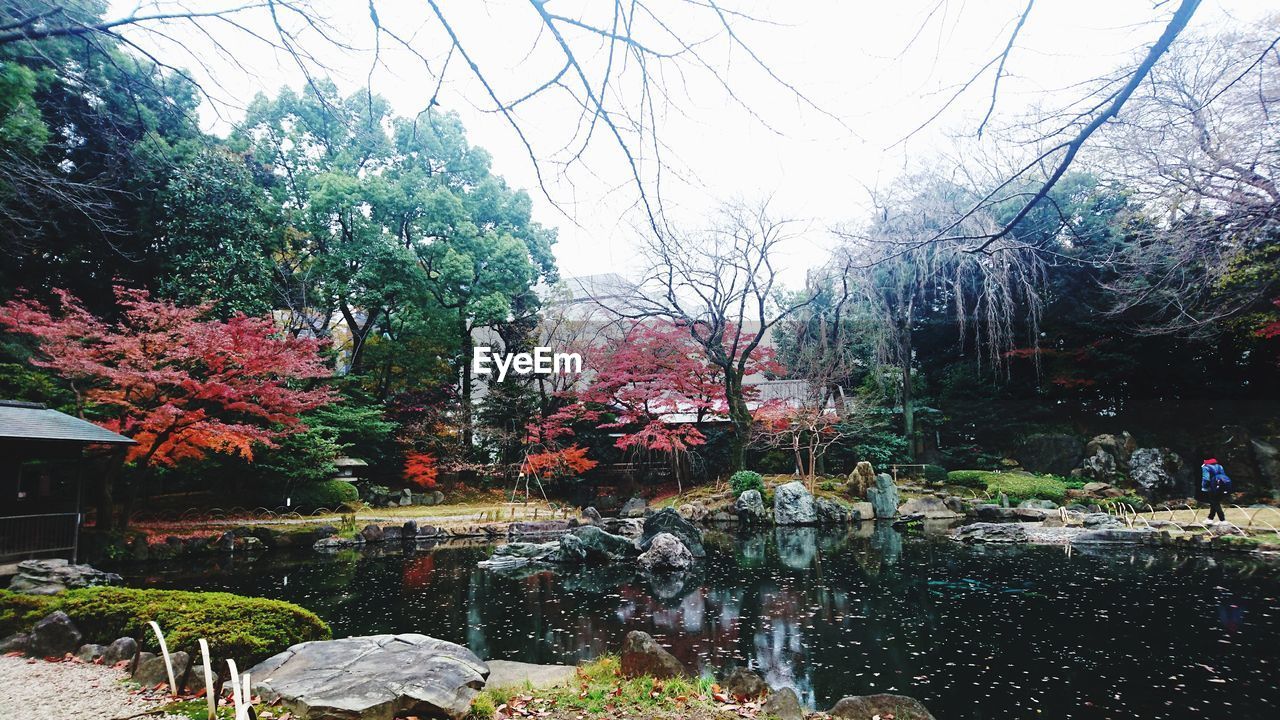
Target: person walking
pixel 1214 483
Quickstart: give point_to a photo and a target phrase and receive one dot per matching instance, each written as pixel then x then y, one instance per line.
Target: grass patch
pixel 244 628
pixel 1017 486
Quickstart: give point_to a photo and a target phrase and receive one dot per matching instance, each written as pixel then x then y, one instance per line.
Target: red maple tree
pixel 421 469
pixel 564 462
pixel 180 383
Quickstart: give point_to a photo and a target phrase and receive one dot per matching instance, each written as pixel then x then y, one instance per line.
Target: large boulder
pixel 750 508
pixel 375 677
pixel 831 512
pixel 633 508
pixel 793 505
pixel 590 544
pixel 862 477
pixel 47 577
pixel 1155 471
pixel 866 707
pixel 54 636
pixel 665 553
pixel 884 497
pixel 1055 453
pixel 928 507
pixel 667 520
pixel 1119 447
pixel 643 656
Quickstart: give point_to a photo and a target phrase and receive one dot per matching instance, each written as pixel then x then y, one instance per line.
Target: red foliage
pixel 178 382
pixel 565 462
pixel 1271 329
pixel 420 469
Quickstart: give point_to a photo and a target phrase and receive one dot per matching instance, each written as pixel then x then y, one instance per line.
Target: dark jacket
pixel 1213 479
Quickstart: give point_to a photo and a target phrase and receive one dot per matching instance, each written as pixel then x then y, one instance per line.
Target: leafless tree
pixel 900 275
pixel 1197 150
pixel 723 285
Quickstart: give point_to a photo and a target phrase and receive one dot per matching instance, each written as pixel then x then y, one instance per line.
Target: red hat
pixel 1211 461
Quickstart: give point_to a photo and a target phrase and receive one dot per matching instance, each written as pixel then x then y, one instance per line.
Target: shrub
pixel 745 480
pixel 969 478
pixel 243 628
pixel 935 474
pixel 324 495
pixel 1019 487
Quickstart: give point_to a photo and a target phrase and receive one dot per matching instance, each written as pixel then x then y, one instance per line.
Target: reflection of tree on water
pixel 974 632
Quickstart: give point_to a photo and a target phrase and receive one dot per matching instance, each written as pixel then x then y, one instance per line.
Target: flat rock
pixel 374 677
pixel 992 533
pixel 541 527
pixel 928 507
pixel 509 674
pixel 47 577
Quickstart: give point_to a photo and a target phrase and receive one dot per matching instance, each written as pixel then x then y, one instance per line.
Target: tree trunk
pixel 739 417
pixel 908 408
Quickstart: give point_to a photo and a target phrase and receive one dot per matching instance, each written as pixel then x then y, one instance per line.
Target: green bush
pixel 1019 487
pixel 745 480
pixel 935 474
pixel 969 478
pixel 324 495
pixel 245 629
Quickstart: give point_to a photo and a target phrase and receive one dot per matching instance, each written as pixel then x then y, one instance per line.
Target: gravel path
pixel 40 690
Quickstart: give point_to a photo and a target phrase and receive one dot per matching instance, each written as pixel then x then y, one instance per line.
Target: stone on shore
pixel 884 497
pixel 642 655
pixel 153 671
pixel 793 505
pixel 750 508
pixel 47 577
pixel 667 520
pixel 928 507
pixel 866 707
pixel 744 684
pixel 90 652
pixel 54 636
pixel 831 512
pixel 783 704
pixel 120 650
pixel 376 677
pixel 633 508
pixel 665 553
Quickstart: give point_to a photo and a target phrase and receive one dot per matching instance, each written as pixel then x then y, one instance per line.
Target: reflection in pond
pixel 977 632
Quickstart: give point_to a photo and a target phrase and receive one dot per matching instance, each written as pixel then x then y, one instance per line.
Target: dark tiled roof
pixel 32 421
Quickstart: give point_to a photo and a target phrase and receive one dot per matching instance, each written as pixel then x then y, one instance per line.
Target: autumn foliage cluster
pixel 180 383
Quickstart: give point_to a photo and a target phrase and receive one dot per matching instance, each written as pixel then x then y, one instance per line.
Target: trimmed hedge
pixel 935 474
pixel 1017 486
pixel 324 495
pixel 243 628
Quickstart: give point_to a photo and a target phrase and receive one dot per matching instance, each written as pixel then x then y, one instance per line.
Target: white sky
pixel 854 59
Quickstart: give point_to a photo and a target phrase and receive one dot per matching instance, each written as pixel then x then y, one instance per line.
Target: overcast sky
pixel 880 68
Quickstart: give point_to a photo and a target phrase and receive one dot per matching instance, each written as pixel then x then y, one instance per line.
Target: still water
pixel 974 632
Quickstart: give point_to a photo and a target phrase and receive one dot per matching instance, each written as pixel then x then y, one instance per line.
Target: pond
pixel 974 632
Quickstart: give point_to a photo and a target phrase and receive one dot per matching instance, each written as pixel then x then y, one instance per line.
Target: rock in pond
pixel 47 577
pixel 793 505
pixel 54 636
pixel 929 508
pixel 642 655
pixel 590 544
pixel 992 533
pixel 783 704
pixel 519 675
pixel 665 552
pixel 667 520
pixel 865 707
pixel 375 677
pixel 750 508
pixel 884 497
